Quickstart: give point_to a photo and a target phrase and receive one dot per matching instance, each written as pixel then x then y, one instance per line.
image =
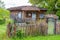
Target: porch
pixel 29 16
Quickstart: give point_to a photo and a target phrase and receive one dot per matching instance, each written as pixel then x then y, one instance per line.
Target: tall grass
pixel 3 36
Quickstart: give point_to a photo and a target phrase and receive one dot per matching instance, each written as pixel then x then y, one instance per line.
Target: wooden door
pixel 51 26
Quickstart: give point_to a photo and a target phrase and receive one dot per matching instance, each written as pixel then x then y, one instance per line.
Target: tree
pixel 53 6
pixel 4 14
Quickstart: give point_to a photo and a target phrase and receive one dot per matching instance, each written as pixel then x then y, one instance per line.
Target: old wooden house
pixel 27 12
pixel 34 15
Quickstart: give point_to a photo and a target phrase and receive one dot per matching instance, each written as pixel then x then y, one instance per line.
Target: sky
pixel 13 3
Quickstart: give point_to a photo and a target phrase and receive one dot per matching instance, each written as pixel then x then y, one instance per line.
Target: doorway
pixel 51 26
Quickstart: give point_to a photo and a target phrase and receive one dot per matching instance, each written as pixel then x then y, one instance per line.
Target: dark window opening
pixel 42 16
pixel 28 14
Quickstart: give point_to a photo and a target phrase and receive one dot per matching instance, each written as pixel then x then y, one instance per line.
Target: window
pixel 28 14
pixel 19 15
pixel 41 15
pixel 34 16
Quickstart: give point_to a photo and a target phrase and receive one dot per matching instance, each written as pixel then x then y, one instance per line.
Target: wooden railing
pixel 20 20
pixel 31 29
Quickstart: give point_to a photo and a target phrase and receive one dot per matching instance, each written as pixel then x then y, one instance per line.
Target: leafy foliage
pixel 2 22
pixel 51 5
pixel 19 34
pixel 4 15
pixel 44 3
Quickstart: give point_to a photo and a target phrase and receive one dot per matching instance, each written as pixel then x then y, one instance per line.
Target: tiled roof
pixel 26 8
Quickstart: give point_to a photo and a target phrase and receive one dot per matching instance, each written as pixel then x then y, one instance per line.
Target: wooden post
pixel 23 14
pixel 14 30
pixel 37 16
pixel 9 27
pixel 55 27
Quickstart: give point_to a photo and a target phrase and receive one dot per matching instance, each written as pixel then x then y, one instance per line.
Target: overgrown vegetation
pixel 53 6
pixel 4 14
pixel 3 36
pixel 19 34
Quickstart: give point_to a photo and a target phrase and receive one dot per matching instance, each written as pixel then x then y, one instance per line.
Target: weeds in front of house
pixel 3 36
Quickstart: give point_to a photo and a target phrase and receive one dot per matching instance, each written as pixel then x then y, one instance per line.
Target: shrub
pixel 19 34
pixel 2 21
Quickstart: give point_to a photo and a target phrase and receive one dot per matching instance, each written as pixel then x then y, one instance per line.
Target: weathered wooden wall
pixel 58 28
pixel 30 29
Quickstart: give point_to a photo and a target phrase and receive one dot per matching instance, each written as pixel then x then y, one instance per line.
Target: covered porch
pixel 31 15
pixel 27 13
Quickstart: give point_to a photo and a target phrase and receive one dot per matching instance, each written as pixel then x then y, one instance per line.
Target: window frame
pixel 41 14
pixel 19 14
pixel 33 15
pixel 27 14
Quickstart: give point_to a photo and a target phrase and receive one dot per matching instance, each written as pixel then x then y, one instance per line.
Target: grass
pixel 56 37
pixel 3 36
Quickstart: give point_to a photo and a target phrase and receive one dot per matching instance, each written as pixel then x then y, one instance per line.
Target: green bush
pixel 2 21
pixel 19 34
